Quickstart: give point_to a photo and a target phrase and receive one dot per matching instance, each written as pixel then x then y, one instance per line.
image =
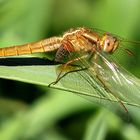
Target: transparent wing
pixel 98 78
pixel 119 81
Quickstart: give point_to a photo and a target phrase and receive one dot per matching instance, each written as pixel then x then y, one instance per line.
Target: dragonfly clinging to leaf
pixel 86 52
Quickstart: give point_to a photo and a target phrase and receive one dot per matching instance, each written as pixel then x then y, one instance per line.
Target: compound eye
pixel 108 45
pixel 108 42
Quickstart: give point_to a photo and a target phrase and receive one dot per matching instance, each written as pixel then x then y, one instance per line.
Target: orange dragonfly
pixel 86 52
pixel 75 40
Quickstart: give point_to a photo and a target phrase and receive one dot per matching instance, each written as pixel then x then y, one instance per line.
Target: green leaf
pixel 97 127
pixel 131 132
pixel 41 75
pixel 43 114
pixel 44 75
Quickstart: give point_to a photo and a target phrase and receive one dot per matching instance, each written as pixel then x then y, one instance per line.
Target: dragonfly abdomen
pixel 46 45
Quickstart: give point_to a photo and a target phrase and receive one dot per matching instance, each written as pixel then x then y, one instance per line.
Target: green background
pixel 33 112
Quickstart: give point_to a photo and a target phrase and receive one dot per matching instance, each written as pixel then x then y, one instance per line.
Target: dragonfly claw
pixel 53 83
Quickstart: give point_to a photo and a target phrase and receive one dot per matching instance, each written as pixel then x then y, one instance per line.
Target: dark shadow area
pixel 25 61
pixel 20 91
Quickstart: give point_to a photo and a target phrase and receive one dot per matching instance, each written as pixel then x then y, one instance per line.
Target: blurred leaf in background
pixel 35 112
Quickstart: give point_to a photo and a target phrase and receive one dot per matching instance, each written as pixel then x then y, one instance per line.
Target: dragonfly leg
pixel 71 71
pixel 64 67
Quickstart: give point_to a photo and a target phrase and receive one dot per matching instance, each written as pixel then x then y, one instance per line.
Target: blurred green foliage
pixel 31 112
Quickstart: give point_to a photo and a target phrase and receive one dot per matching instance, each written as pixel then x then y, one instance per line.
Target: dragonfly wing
pixel 86 85
pixel 103 81
pixel 119 81
pixel 84 81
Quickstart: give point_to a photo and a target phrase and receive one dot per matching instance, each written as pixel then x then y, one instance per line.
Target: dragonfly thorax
pixel 108 43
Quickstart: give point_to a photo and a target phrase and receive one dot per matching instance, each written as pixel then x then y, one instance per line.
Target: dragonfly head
pixel 109 43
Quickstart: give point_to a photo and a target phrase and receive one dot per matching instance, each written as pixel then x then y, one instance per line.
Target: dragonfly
pixel 86 52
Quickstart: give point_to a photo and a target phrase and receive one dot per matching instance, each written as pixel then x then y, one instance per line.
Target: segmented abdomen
pixel 47 45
